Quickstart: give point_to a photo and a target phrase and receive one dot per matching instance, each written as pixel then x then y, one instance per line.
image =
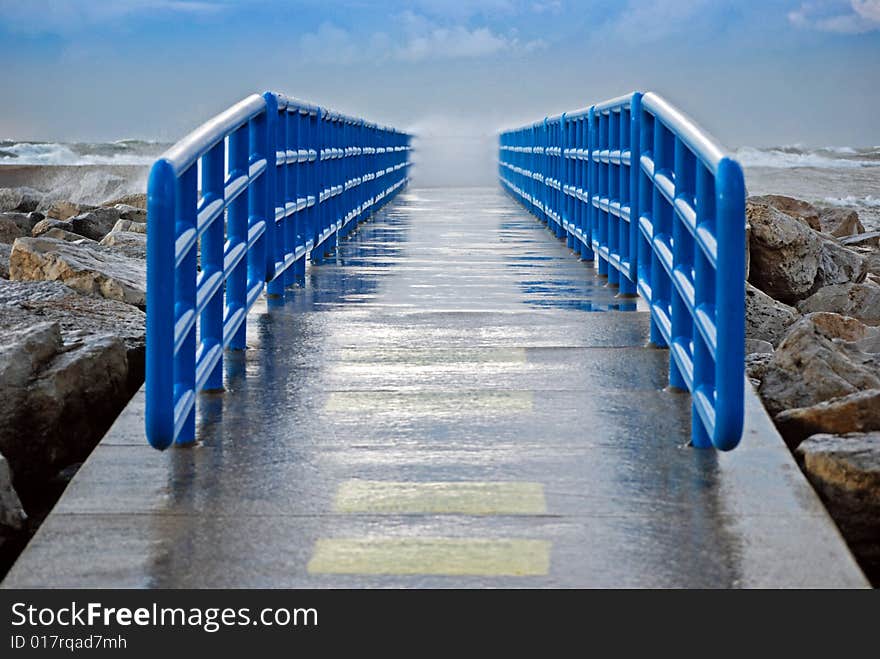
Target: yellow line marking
pixel 431 556
pixel 430 403
pixel 466 498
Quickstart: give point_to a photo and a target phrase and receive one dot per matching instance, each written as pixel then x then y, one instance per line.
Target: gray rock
pixel 858 412
pixel 757 346
pixel 129 225
pixel 132 213
pixel 12 515
pixel 129 243
pixel 95 224
pixel 860 301
pixel 5 251
pixel 9 230
pixel 840 222
pixel 800 210
pixel 872 263
pixel 870 239
pixel 62 209
pixel 62 234
pixel 24 221
pixel 43 226
pixel 23 200
pixel 57 398
pixel 767 319
pixel 822 357
pixel 845 470
pixel 90 269
pixel 756 366
pixel 790 261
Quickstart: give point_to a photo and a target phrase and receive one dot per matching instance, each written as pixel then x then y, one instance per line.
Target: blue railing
pixel 640 185
pixel 237 204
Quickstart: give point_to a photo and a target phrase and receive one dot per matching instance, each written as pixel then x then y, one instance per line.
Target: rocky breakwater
pixel 72 298
pixel 813 353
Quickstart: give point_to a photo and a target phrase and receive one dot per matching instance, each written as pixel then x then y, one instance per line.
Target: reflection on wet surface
pixel 440 406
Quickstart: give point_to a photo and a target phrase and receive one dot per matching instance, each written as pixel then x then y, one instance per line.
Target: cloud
pixel 67 16
pixel 839 17
pixel 329 43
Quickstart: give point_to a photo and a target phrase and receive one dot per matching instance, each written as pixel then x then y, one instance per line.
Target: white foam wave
pixel 790 158
pixel 869 201
pixel 53 153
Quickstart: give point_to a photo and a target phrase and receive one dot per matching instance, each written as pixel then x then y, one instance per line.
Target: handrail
pixel 238 205
pixel 640 184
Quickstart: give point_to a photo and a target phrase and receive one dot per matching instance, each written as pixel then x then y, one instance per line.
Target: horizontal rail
pixel 637 185
pixel 234 209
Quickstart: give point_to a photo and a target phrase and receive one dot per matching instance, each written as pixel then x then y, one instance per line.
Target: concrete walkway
pixel 453 400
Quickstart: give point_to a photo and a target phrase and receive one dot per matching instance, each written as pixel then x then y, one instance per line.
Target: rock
pixel 756 366
pixel 24 221
pixel 129 243
pixel 62 234
pixel 12 515
pixel 129 225
pixel 95 224
pixel 57 398
pixel 5 251
pixel 845 470
pixel 90 269
pixel 23 200
pixel 43 226
pixel 138 200
pixel 860 301
pixel 757 346
pixel 800 210
pixel 823 356
pixel 767 319
pixel 132 213
pixel 64 210
pixel 872 263
pixel 870 239
pixel 840 222
pixel 790 261
pixel 9 230
pixel 858 412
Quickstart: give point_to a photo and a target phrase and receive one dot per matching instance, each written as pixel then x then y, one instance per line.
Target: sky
pixel 758 73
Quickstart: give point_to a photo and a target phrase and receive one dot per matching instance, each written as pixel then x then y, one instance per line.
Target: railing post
pixel 270 147
pixel 211 320
pixel 161 204
pixel 237 234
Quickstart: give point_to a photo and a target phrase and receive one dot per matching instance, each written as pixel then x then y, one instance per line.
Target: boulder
pixel 870 239
pixel 130 225
pixel 24 221
pixel 823 356
pixel 790 261
pixel 845 470
pixel 23 200
pixel 12 515
pixel 43 226
pixel 800 210
pixel 872 263
pixel 138 200
pixel 90 269
pixel 9 230
pixel 62 209
pixel 757 346
pixel 767 319
pixel 56 397
pixel 858 412
pixel 860 301
pixel 756 366
pixel 62 234
pixel 95 224
pixel 129 243
pixel 840 222
pixel 5 251
pixel 132 213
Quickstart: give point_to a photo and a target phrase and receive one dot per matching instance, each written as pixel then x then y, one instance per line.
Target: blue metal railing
pixel 237 204
pixel 640 185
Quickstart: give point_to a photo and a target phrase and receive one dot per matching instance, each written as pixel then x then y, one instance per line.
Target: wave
pixel 791 156
pixel 122 152
pixel 868 201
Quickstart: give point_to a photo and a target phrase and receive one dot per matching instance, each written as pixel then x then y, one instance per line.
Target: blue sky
pixel 759 73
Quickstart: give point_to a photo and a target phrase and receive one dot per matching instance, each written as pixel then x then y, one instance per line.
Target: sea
pixel 844 176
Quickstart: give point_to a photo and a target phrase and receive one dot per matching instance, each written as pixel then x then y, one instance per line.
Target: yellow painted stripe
pixel 431 556
pixel 467 498
pixel 430 403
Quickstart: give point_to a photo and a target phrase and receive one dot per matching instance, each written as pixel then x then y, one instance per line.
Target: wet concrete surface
pixel 453 400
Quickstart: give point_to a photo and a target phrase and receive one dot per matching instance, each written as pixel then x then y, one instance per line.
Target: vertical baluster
pixel 237 231
pixel 211 320
pixel 258 207
pixel 704 299
pixel 185 297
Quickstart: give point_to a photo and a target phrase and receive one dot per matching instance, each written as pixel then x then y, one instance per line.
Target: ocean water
pixel 827 176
